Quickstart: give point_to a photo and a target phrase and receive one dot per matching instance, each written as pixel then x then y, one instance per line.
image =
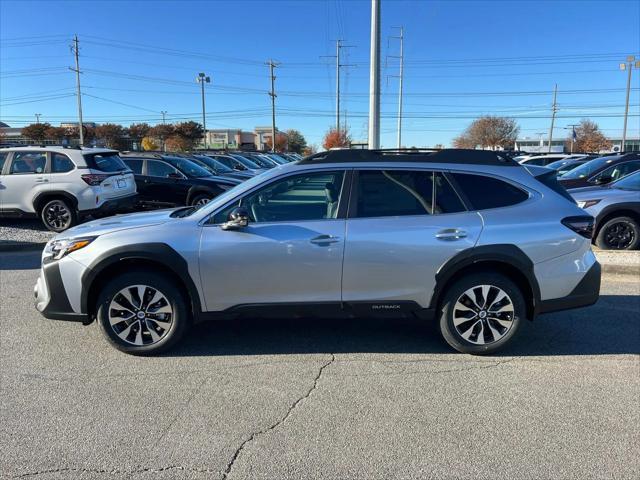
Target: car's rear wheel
pixel 620 233
pixel 58 215
pixel 201 199
pixel 142 313
pixel 481 313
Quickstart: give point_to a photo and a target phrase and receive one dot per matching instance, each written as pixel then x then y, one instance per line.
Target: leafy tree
pixel 309 150
pixel 149 144
pixel 297 142
pixel 589 138
pixel 190 133
pixel 35 131
pixel 57 134
pixel 336 138
pixel 161 131
pixel 137 131
pixel 281 142
pixel 489 132
pixel 178 143
pixel 111 134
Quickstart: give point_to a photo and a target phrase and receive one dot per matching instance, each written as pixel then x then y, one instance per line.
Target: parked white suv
pixel 60 185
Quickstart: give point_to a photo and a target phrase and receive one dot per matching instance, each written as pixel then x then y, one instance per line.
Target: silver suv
pixel 468 238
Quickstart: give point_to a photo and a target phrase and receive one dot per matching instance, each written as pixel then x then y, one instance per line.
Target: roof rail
pixel 450 155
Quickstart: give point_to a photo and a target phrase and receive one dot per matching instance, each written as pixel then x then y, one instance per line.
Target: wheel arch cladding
pixel 627 209
pixel 202 190
pixel 157 256
pixel 506 259
pixel 42 198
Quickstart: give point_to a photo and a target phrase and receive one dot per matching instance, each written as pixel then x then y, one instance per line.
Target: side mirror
pixel 603 180
pixel 238 218
pixel 174 175
pixel 237 166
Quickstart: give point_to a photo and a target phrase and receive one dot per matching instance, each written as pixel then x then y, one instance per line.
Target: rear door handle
pixel 41 180
pixel 449 234
pixel 324 240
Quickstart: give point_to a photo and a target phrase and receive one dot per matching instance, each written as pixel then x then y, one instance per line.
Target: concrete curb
pixel 617 269
pixel 22 247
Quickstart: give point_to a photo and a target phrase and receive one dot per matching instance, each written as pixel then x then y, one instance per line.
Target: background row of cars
pixel 64 185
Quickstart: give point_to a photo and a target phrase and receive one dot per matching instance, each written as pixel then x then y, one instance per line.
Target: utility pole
pixel 540 142
pixel 339 65
pixel 401 78
pixel 38 117
pixel 76 52
pixel 374 78
pixel 202 79
pixel 554 109
pixel 273 96
pixel 164 116
pixel 572 127
pixel 627 66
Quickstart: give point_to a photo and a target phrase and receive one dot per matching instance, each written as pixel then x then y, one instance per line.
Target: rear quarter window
pixel 484 192
pixel 105 162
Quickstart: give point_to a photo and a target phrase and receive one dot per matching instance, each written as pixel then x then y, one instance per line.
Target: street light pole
pixel 374 78
pixel 38 117
pixel 273 96
pixel 553 116
pixel 202 79
pixel 624 66
pixel 164 116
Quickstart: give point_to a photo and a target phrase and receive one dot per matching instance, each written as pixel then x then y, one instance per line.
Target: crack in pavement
pixel 272 427
pixel 115 471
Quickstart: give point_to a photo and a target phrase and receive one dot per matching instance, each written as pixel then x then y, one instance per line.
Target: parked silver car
pixel 469 238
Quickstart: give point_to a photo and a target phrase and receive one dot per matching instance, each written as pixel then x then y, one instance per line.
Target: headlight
pixel 60 248
pixel 588 203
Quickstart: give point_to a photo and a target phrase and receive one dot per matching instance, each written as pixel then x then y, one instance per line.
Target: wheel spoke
pixel 152 331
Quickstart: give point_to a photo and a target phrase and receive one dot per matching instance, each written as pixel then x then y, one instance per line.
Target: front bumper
pixel 50 297
pixel 114 205
pixel 584 294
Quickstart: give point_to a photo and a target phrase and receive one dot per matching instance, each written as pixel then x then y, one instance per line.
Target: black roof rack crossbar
pixel 452 155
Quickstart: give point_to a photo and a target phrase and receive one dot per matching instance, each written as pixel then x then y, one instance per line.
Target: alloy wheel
pixel 57 215
pixel 140 315
pixel 202 201
pixel 483 314
pixel 619 236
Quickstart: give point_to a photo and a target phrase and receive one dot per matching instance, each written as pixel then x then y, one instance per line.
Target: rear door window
pixel 156 168
pixel 105 162
pixel 134 165
pixel 617 171
pixel 3 157
pixel 484 192
pixel 61 163
pixel 28 162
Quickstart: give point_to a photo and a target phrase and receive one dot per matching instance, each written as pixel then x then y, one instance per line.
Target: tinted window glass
pixel 447 200
pixel 486 192
pixel 3 157
pixel 190 169
pixel 105 162
pixel 618 171
pixel 393 193
pixel 588 168
pixel 61 163
pixel 28 162
pixel 159 169
pixel 225 161
pixel 296 198
pixel 134 165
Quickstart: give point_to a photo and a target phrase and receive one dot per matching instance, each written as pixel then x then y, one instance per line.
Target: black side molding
pixel 58 307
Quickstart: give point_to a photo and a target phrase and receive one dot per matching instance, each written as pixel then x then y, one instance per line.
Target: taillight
pixel 94 179
pixel 582 225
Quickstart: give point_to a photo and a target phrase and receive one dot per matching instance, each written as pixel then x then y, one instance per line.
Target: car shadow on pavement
pixel 20 260
pixel 612 326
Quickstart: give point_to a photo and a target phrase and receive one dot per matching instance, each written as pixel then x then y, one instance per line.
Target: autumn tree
pixel 178 143
pixel 309 150
pixel 111 134
pixel 57 134
pixel 161 132
pixel 190 134
pixel 36 131
pixel 148 143
pixel 335 138
pixel 281 142
pixel 297 142
pixel 489 132
pixel 589 138
pixel 137 131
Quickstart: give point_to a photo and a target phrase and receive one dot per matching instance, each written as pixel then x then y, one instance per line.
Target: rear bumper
pixel 114 205
pixel 584 294
pixel 51 299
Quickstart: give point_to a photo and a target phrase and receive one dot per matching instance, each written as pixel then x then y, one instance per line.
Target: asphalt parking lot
pixel 331 399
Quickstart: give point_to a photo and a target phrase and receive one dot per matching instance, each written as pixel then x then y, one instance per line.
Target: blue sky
pixel 462 59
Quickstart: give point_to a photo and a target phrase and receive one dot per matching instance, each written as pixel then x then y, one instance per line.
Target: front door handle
pixel 449 234
pixel 324 240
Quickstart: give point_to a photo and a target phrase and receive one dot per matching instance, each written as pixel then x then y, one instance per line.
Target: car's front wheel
pixel 142 313
pixel 201 199
pixel 620 233
pixel 481 313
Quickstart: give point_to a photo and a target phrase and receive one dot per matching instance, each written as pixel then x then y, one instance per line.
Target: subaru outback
pixel 470 239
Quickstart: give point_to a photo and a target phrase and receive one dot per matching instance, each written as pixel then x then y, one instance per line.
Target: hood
pixel 218 180
pixel 595 193
pixel 118 222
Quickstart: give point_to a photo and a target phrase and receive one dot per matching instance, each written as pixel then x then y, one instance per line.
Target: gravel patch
pixel 23 232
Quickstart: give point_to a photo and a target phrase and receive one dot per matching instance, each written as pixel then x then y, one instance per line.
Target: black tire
pixel 474 324
pixel 619 233
pixel 201 198
pixel 179 317
pixel 58 215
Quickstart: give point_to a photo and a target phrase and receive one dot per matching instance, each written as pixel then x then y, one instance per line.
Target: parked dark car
pixel 568 164
pixel 164 181
pixel 239 163
pixel 220 169
pixel 601 171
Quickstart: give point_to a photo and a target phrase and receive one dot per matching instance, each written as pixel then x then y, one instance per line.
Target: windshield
pixel 630 182
pixel 189 168
pixel 588 168
pixel 557 164
pixel 246 162
pixel 215 164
